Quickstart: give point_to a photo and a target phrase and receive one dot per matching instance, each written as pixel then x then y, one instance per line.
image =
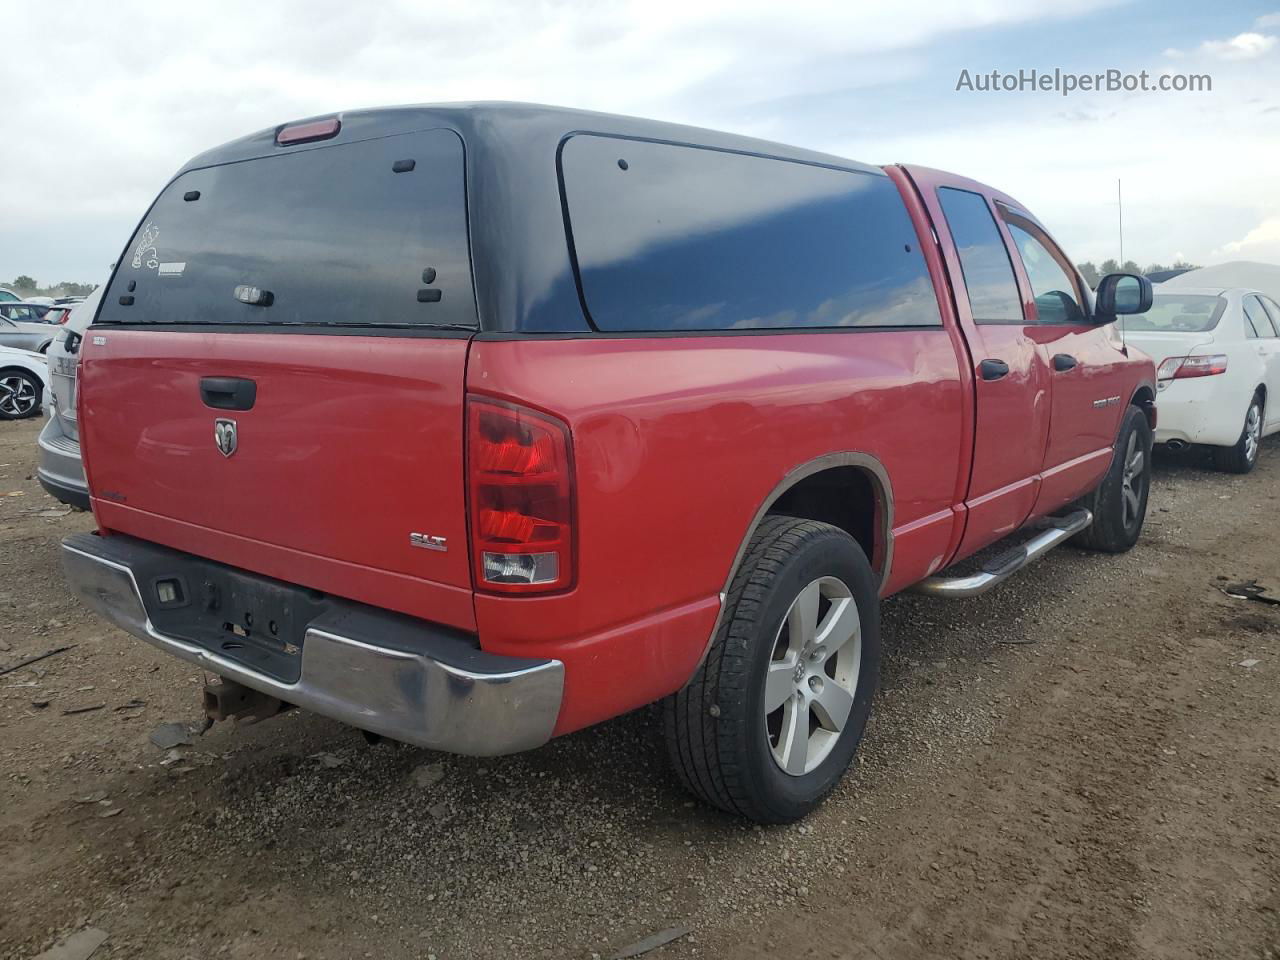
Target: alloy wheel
pixel 1252 432
pixel 1132 479
pixel 812 676
pixel 17 396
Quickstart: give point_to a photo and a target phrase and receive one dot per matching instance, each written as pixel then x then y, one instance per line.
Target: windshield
pixel 371 233
pixel 1179 313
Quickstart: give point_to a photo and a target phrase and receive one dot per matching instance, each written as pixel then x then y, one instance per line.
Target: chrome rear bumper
pixel 466 702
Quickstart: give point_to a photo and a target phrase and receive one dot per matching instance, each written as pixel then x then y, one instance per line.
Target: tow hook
pixel 227 700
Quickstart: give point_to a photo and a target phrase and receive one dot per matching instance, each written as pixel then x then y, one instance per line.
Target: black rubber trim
pixel 421 330
pixel 66 494
pixel 504 335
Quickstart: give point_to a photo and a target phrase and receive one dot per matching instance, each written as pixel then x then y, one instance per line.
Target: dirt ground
pixel 1079 764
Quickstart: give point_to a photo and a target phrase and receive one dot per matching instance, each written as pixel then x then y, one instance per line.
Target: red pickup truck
pixel 472 426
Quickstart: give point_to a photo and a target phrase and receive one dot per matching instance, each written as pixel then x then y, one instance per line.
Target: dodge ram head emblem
pixel 224 435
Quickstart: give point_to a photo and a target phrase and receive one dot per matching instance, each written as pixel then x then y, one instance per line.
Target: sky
pixel 113 98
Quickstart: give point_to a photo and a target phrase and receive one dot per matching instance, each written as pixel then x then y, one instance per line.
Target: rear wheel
pixel 771 720
pixel 1119 505
pixel 1243 455
pixel 20 394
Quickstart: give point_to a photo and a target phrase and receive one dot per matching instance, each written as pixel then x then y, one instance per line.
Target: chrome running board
pixel 1056 530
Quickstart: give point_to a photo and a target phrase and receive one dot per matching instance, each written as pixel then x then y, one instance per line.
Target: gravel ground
pixel 1075 765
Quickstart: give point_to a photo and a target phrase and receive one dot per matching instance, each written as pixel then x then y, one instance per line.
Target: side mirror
pixel 1122 293
pixel 1054 306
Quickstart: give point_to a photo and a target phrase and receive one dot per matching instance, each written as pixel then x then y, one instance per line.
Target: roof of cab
pixel 507 125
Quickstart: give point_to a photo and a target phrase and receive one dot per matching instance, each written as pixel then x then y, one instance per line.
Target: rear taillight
pixel 1179 368
pixel 521 474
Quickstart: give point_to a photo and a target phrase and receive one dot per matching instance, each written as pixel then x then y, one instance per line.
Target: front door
pixel 1009 368
pixel 1085 363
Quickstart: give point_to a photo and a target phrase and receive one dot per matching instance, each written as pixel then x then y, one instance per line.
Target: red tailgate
pixel 352 444
pixel 317 301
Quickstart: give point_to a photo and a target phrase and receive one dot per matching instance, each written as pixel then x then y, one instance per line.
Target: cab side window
pixel 984 259
pixel 1058 297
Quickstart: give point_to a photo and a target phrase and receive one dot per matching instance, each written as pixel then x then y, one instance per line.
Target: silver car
pixel 21 327
pixel 60 472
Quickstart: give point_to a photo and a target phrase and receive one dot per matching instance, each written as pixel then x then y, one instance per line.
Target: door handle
pixel 993 369
pixel 228 393
pixel 1063 362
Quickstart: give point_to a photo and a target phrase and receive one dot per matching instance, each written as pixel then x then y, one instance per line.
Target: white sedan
pixel 1217 355
pixel 24 383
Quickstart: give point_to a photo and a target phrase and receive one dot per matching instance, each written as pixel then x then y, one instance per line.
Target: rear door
pixel 1010 373
pixel 275 379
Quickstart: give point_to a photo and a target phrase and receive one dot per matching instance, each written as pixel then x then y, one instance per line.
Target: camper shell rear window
pixel 365 234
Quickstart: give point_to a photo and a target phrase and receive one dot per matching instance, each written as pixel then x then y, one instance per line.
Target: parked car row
pixel 29 311
pixel 25 380
pixel 9 296
pixel 656 414
pixel 22 327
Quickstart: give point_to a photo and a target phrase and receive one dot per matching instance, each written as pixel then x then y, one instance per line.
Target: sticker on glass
pixel 146 251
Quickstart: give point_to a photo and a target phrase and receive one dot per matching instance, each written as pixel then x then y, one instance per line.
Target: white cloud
pixel 1267 20
pixel 1260 243
pixel 136 88
pixel 139 87
pixel 1244 46
pixel 1174 53
pixel 1167 148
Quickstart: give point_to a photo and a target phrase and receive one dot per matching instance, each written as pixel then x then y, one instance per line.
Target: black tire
pixel 1242 457
pixel 21 394
pixel 717 732
pixel 1119 505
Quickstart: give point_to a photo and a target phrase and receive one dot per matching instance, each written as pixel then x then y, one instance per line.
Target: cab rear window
pixel 669 237
pixel 366 234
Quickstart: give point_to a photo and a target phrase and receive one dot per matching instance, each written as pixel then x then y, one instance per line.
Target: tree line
pixel 27 287
pixel 1092 273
